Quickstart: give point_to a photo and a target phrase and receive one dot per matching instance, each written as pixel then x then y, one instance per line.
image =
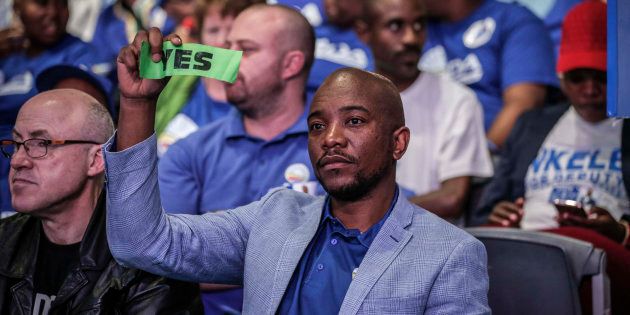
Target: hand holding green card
pixel 191 59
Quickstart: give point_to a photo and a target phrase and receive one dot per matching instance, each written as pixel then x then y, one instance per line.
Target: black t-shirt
pixel 54 263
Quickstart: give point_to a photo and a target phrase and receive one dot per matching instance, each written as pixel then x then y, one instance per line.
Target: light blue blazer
pixel 417 264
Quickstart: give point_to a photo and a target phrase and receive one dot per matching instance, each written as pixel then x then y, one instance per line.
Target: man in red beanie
pixel 570 154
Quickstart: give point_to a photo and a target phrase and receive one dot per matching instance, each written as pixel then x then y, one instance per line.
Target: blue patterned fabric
pixel 328 265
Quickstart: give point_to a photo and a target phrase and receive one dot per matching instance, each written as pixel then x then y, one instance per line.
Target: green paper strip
pixel 191 59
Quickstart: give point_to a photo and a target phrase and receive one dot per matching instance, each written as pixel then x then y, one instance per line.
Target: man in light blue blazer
pixel 359 250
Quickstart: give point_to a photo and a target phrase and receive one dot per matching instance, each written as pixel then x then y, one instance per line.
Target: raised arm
pixel 138 96
pixel 209 248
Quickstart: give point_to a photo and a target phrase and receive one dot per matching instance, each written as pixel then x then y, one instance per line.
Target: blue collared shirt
pixel 322 277
pixel 220 166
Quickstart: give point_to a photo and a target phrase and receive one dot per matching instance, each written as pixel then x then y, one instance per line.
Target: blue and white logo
pixel 479 33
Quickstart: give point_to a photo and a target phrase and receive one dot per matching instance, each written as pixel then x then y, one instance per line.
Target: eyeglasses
pixel 35 148
pixel 579 76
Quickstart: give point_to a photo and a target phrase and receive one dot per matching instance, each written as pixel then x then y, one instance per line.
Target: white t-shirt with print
pixel 447 135
pixel 577 156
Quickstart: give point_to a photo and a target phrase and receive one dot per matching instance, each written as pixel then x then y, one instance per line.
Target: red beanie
pixel 583 43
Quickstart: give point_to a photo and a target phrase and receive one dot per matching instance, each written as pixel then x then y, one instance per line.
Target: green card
pixel 191 59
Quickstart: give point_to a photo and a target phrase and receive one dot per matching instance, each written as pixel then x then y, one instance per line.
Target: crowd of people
pixel 359 139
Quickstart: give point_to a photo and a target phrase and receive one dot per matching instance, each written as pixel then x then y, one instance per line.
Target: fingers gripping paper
pixel 191 59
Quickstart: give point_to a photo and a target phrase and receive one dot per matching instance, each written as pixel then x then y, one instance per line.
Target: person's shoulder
pixel 428 228
pixel 13 222
pixel 511 11
pixel 453 96
pixel 286 195
pixel 13 227
pixel 71 42
pixel 510 17
pixel 549 111
pixel 73 49
pixel 454 88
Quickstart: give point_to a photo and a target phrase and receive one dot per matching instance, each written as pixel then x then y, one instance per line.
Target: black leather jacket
pixel 97 286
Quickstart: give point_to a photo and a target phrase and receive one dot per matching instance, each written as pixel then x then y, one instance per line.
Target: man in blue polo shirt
pixel 337 44
pixel 237 159
pixel 500 50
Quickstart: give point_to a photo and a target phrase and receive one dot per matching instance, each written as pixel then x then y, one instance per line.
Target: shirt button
pixel 320 267
pixel 333 241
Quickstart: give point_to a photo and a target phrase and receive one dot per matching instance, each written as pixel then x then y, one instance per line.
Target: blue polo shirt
pixel 202 109
pixel 325 271
pixel 220 166
pixel 498 45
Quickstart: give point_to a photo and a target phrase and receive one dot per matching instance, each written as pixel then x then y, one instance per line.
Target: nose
pixel 19 159
pixel 334 137
pixel 222 39
pixel 410 36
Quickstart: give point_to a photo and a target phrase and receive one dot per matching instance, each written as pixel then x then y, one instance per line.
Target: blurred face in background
pixel 179 9
pixel 343 13
pixel 44 20
pixel 396 34
pixel 586 90
pixel 215 26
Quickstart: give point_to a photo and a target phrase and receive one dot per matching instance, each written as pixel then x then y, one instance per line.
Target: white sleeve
pixel 464 150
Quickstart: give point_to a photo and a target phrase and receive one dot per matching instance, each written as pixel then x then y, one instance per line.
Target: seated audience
pixel 570 152
pixel 118 23
pixel 54 256
pixel 260 145
pixel 337 45
pixel 359 250
pixel 45 43
pixel 500 50
pixel 190 102
pixel 447 143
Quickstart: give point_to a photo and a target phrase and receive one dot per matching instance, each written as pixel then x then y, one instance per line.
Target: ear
pixel 363 31
pixel 96 161
pixel 292 64
pixel 401 141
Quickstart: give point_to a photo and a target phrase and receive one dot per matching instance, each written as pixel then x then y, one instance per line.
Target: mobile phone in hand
pixel 570 206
